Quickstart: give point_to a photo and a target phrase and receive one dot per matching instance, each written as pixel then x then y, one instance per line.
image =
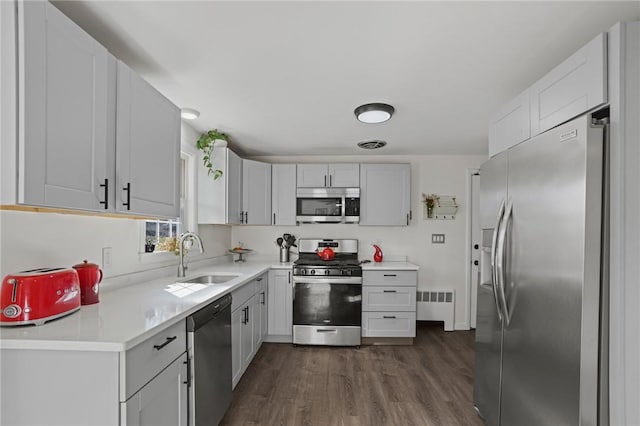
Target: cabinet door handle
pixel 128 189
pixel 325 180
pixel 407 219
pixel 274 218
pixel 389 317
pixel 389 291
pixel 105 185
pixel 166 342
pixel 390 275
pixel 246 218
pixel 264 297
pixel 247 308
pixel 289 277
pixel 330 184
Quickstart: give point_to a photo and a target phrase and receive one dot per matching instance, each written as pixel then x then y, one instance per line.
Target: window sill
pixel 156 257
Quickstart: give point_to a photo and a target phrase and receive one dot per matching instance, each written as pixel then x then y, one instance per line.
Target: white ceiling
pixel 283 78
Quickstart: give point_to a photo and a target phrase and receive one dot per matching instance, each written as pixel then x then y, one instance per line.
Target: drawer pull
pixel 390 275
pixel 389 317
pixel 389 291
pixel 169 340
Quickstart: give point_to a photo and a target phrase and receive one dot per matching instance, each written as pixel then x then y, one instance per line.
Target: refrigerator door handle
pixel 494 273
pixel 500 260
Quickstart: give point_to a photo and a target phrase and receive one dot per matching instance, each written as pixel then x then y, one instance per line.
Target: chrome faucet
pixel 183 237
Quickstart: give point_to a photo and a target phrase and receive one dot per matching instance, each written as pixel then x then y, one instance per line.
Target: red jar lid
pixel 86 264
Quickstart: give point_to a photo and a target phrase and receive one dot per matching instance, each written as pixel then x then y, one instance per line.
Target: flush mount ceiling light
pixel 189 113
pixel 375 144
pixel 374 113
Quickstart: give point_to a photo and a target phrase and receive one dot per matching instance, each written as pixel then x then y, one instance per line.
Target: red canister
pixel 90 276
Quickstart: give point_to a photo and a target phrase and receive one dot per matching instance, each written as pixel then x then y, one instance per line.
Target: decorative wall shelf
pixel 444 207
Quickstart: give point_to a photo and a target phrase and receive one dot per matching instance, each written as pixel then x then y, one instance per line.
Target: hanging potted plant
pixel 205 144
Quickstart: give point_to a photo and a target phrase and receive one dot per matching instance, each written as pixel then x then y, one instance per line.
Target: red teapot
pixel 90 276
pixel 326 254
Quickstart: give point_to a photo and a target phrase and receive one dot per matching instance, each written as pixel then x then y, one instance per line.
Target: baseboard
pixel 462 326
pixel 274 338
pixel 398 341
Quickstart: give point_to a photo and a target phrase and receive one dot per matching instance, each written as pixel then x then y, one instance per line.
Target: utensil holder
pixel 284 254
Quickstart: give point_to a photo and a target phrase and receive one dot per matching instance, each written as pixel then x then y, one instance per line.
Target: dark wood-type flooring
pixel 429 383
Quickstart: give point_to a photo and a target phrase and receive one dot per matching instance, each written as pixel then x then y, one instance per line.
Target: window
pixel 160 235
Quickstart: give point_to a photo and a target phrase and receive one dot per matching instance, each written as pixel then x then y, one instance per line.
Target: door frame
pixel 470 220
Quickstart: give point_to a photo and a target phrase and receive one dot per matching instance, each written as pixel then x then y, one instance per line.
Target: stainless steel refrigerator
pixel 541 317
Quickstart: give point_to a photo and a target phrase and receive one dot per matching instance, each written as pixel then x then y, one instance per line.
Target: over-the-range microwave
pixel 328 205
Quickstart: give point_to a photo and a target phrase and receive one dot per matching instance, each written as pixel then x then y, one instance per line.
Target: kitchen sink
pixel 210 279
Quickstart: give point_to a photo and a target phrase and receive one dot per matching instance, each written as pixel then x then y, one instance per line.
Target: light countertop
pixel 129 315
pixel 390 266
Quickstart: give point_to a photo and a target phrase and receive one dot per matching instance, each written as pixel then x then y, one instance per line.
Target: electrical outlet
pixel 437 238
pixel 106 258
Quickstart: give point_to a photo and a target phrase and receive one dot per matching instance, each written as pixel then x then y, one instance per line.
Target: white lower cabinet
pixel 260 330
pixel 246 325
pixel 280 312
pixel 389 324
pixel 389 303
pixel 162 401
pixel 146 385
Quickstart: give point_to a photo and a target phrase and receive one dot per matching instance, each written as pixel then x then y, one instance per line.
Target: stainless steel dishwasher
pixel 209 347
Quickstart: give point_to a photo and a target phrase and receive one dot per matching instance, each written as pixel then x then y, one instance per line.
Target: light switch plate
pixel 437 238
pixel 106 258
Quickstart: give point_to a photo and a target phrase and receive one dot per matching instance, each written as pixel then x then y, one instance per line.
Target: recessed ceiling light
pixel 374 113
pixel 374 144
pixel 189 113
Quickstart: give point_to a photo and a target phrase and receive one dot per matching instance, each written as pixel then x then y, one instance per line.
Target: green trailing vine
pixel 205 144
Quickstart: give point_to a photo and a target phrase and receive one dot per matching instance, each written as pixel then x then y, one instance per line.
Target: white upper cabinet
pixel 220 200
pixel 147 148
pixel 256 193
pixel 67 101
pixel 575 86
pixel 511 125
pixel 283 194
pixel 93 134
pixel 338 175
pixel 385 194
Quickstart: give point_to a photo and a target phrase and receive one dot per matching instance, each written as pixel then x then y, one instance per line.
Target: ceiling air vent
pixel 375 144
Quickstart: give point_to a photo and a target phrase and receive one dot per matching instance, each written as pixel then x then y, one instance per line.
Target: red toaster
pixel 39 295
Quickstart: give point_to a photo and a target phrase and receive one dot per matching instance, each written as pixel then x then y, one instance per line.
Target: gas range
pixel 344 264
pixel 327 302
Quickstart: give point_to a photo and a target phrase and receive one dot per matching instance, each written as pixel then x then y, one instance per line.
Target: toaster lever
pixel 14 291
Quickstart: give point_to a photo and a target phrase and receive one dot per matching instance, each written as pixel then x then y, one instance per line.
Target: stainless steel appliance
pixel 209 350
pixel 39 295
pixel 328 205
pixel 541 322
pixel 327 295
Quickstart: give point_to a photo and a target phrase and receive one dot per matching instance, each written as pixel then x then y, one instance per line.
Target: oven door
pixel 327 311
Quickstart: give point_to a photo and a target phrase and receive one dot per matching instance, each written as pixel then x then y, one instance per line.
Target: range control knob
pixel 313 272
pixel 327 272
pixel 12 311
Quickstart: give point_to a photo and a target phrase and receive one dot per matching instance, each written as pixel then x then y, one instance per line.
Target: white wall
pixel 32 240
pixel 441 265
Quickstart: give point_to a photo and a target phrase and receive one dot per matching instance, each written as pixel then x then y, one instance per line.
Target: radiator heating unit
pixel 436 305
